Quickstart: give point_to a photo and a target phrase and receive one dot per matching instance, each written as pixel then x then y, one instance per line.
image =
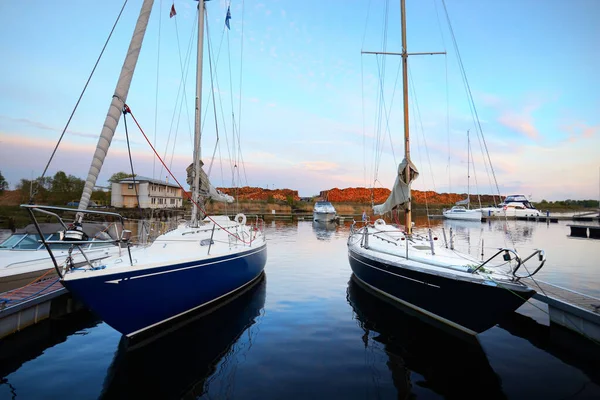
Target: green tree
pixel 3 183
pixel 65 187
pixel 117 176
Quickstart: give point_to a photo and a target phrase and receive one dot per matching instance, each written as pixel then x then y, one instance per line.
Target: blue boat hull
pixel 474 306
pixel 131 302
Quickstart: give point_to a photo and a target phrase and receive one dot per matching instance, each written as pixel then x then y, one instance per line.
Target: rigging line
pixel 366 24
pixel 181 87
pixel 232 158
pixel 417 112
pixel 470 96
pixel 235 235
pixel 34 191
pixel 470 153
pixel 137 196
pixel 231 150
pixel 378 145
pixel 364 134
pixel 212 89
pixel 239 125
pixel 156 92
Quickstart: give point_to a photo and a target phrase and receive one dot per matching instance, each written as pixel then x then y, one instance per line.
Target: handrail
pixel 541 256
pixel 49 210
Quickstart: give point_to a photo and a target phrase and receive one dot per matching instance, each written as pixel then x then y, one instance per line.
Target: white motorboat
pixel 324 211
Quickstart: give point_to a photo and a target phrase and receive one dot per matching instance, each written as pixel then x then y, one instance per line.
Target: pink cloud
pixel 521 123
pixel 580 130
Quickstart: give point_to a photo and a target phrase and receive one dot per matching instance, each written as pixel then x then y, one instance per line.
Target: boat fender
pixel 240 219
pixel 379 221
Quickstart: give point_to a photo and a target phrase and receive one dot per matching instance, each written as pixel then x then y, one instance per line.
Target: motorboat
pixel 324 211
pixel 23 257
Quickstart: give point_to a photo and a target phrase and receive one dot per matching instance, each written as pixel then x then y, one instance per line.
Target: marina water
pixel 307 330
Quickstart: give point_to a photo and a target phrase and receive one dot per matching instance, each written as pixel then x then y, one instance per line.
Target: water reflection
pixel 324 230
pixel 19 348
pixel 421 356
pixel 183 362
pixel 568 346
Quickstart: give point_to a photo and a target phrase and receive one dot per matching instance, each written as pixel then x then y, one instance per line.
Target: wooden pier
pixel 31 304
pixel 573 310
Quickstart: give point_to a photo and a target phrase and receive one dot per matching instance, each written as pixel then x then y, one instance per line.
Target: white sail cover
pixel 463 202
pixel 401 190
pixel 207 190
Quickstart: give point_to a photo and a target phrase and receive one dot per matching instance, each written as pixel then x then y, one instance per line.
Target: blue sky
pixel 308 98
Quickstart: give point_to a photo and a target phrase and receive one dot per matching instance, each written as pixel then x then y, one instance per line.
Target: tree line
pixel 59 189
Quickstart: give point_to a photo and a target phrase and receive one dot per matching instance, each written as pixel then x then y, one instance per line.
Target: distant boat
pixel 421 273
pixel 516 205
pixel 192 266
pixel 462 213
pixel 461 210
pixel 324 211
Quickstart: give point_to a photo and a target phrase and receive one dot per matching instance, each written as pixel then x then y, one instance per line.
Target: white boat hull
pixel 323 217
pixel 465 215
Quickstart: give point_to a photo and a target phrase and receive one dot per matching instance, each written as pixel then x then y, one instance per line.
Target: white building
pixel 152 193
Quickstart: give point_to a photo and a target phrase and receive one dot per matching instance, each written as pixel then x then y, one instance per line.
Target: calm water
pixel 308 331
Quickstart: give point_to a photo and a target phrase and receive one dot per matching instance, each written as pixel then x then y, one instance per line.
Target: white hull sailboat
pixel 459 211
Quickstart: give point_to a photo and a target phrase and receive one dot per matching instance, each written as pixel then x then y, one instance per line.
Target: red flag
pixel 173 12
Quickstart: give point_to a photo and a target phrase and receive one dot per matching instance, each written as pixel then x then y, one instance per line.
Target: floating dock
pixel 20 308
pixel 582 231
pixel 573 310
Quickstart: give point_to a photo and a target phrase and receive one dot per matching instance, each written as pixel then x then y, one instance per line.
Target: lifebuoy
pixel 379 222
pixel 240 219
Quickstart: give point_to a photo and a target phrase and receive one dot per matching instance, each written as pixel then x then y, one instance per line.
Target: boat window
pixel 11 241
pixel 29 242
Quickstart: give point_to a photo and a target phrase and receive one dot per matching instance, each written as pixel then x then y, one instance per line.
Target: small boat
pixel 23 258
pixel 324 211
pixel 462 213
pixel 459 211
pixel 201 262
pixel 434 279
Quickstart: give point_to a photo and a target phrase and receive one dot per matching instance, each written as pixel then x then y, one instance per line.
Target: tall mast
pixel 468 170
pixel 117 103
pixel 407 210
pixel 197 133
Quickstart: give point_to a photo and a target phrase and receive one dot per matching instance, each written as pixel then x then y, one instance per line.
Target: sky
pixel 305 102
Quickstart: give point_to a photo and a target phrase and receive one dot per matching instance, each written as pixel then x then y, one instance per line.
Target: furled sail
pixel 463 202
pixel 401 190
pixel 207 190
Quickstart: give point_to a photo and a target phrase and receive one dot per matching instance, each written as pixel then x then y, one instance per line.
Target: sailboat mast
pixel 407 211
pixel 118 101
pixel 468 170
pixel 197 119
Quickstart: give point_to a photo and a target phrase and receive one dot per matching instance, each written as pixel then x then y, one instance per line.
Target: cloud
pixel 521 123
pixel 42 126
pixel 319 165
pixel 580 130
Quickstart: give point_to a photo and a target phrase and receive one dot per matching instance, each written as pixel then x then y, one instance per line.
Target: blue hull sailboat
pixel 197 264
